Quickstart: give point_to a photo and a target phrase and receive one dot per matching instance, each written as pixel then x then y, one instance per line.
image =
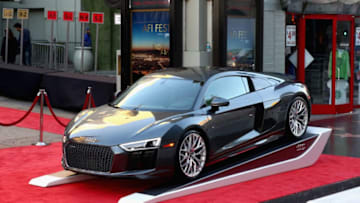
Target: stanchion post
pixel 67 45
pixel 41 137
pixel 89 93
pixel 7 41
pixel 51 44
pixel 82 47
pixel 22 42
pixel 96 47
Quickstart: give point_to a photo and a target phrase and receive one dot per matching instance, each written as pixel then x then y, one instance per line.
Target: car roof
pixel 201 74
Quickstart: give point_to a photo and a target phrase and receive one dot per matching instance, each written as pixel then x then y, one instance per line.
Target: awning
pixel 347 7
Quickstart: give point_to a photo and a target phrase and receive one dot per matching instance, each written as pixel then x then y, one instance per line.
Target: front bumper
pixel 112 161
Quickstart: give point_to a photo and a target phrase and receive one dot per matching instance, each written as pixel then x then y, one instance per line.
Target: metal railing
pixel 41 54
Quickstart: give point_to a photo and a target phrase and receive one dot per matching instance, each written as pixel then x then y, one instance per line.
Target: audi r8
pixel 180 120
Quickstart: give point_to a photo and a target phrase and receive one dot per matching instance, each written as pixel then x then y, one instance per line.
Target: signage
pixel 150 42
pixel 98 18
pixel 68 16
pixel 357 36
pixel 117 18
pixel 52 15
pixel 291 35
pixel 240 42
pixel 84 17
pixel 22 14
pixel 308 58
pixel 8 13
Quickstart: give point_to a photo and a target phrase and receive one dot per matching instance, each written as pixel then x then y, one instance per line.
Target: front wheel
pixel 191 155
pixel 298 117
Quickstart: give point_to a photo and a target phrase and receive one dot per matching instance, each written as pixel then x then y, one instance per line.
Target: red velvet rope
pixel 52 112
pixel 92 102
pixel 26 114
pixel 86 101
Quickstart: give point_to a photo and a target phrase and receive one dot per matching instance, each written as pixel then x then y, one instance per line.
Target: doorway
pixel 327 44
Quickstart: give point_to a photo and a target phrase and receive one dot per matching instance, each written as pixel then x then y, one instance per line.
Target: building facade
pixel 315 41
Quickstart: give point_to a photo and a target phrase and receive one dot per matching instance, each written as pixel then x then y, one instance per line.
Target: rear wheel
pixel 191 155
pixel 298 117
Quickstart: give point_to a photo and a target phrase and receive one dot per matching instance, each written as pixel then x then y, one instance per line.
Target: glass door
pixel 318 49
pixel 327 62
pixel 343 76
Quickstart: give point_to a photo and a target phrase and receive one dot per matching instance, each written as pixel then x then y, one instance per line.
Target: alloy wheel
pixel 192 155
pixel 298 117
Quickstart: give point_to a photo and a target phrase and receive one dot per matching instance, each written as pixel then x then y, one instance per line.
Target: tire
pixel 191 155
pixel 297 117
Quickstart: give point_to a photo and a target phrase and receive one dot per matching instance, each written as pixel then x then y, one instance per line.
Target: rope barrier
pixel 25 115
pixel 92 102
pixel 86 101
pixel 89 102
pixel 89 98
pixel 52 111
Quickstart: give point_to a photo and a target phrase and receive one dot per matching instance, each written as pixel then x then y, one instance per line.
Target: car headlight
pixel 141 145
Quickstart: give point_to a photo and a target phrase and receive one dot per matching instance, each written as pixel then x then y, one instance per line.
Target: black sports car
pixel 181 119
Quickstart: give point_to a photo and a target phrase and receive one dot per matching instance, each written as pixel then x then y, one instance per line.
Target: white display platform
pixel 307 152
pixel 59 178
pixel 309 157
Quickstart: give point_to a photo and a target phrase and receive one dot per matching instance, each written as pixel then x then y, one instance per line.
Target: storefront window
pixel 357 63
pixel 342 77
pixel 319 48
pixel 241 33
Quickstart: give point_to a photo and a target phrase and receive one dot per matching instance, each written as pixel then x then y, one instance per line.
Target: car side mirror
pixel 217 102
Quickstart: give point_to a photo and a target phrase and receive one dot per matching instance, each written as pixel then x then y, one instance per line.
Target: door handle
pixel 251 115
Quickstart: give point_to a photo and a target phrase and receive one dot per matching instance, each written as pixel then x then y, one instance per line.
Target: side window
pixel 227 88
pixel 260 83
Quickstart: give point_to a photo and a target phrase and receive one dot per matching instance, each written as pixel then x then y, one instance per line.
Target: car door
pixel 229 123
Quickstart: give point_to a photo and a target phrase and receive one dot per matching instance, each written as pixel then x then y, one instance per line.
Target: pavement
pixel 16 136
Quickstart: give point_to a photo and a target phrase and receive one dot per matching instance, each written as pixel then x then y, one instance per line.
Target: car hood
pixel 109 126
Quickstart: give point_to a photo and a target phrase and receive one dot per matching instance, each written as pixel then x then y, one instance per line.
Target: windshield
pixel 153 93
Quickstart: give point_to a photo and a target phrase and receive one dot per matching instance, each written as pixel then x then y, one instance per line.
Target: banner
pixel 291 35
pixel 357 36
pixel 241 42
pixel 150 44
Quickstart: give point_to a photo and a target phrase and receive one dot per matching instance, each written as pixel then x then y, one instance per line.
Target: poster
pixel 241 42
pixel 357 36
pixel 291 35
pixel 150 44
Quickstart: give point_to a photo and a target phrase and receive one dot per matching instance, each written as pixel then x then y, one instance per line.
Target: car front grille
pixel 141 160
pixel 89 157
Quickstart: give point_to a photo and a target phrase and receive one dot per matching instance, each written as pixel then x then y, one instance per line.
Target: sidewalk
pixel 17 136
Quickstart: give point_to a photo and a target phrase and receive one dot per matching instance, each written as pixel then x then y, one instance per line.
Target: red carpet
pixel 8 115
pixel 19 165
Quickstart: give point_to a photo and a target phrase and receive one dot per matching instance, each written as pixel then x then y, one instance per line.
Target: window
pixel 227 88
pixel 260 83
pixel 241 33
